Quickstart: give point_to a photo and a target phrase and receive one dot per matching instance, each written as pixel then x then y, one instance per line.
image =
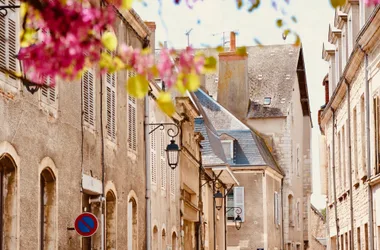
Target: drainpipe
pixel 368 155
pixel 147 173
pixel 282 214
pixel 213 209
pixel 350 166
pixel 334 182
pixel 102 199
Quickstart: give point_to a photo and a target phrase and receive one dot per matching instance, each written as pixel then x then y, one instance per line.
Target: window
pixel 153 158
pixel 276 209
pixel 155 239
pixel 236 199
pixel 362 130
pixel 173 181
pixel 366 236
pixel 8 203
pixel 290 210
pixel 48 209
pixel 132 119
pixel 298 215
pixel 358 238
pixel 48 95
pixel 132 225
pixel 174 241
pixel 267 100
pixel 88 84
pixel 111 105
pixel 228 148
pixel 340 158
pixel 355 142
pixel 163 240
pixel 376 117
pixel 343 158
pixel 298 160
pixel 111 222
pixel 8 44
pixel 163 167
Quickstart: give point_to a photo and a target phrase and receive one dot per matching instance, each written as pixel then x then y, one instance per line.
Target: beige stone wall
pixel 35 134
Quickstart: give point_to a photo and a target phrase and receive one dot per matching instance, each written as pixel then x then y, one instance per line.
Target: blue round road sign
pixel 86 224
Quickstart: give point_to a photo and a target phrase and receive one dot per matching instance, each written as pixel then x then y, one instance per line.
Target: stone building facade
pixel 318 230
pixel 267 91
pixel 350 136
pixel 72 148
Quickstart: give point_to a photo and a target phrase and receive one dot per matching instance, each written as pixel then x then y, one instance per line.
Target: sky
pixel 208 19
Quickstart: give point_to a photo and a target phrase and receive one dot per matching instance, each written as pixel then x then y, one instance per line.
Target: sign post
pixel 86 224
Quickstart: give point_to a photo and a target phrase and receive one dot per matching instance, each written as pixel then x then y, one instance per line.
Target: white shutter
pixel 163 159
pixel 153 158
pixel 276 208
pixel 239 201
pixel 130 226
pixel 111 105
pixel 8 44
pixel 172 181
pixel 88 80
pixel 48 95
pixel 132 119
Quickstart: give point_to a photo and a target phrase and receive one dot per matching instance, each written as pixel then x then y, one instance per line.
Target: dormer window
pixel 228 148
pixel 267 100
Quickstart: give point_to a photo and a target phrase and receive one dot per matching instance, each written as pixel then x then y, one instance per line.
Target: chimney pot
pixel 232 41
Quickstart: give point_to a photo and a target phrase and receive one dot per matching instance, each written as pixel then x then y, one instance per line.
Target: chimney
pixel 233 91
pixel 152 38
pixel 232 41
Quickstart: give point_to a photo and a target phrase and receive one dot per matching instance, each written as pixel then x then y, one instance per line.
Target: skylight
pixel 267 100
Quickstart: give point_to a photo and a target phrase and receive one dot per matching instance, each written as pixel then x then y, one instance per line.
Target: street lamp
pixel 238 220
pixel 218 196
pixel 172 153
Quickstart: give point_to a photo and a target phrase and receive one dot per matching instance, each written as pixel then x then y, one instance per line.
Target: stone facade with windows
pixel 58 144
pixel 343 118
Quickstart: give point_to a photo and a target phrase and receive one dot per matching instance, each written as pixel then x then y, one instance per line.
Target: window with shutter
pixel 48 95
pixel 172 181
pixel 239 201
pixel 111 105
pixel 163 159
pixel 8 45
pixel 88 83
pixel 153 158
pixel 276 209
pixel 298 215
pixel 132 119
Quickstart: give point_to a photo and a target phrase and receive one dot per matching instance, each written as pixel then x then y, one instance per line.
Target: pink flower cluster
pixel 371 2
pixel 69 37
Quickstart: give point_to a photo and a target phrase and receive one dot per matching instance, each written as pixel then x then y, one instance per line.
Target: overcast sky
pixel 210 18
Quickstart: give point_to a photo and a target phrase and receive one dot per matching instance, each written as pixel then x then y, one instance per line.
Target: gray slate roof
pixel 250 148
pixel 272 72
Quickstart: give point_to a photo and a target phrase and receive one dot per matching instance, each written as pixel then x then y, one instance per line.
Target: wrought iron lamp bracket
pixel 4 9
pixel 171 132
pixel 238 210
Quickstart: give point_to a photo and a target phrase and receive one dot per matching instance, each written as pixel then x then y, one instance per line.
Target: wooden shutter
pixel 153 158
pixel 132 119
pixel 88 81
pixel 111 105
pixel 48 95
pixel 163 159
pixel 8 43
pixel 239 200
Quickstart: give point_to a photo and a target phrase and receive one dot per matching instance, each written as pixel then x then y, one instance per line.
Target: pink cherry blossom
pixel 371 2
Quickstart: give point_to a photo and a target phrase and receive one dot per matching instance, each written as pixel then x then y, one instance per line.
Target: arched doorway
pixel 132 224
pixel 48 209
pixel 174 241
pixel 8 202
pixel 110 221
pixel 155 238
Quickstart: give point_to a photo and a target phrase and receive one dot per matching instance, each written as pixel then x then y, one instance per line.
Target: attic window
pixel 228 148
pixel 267 100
